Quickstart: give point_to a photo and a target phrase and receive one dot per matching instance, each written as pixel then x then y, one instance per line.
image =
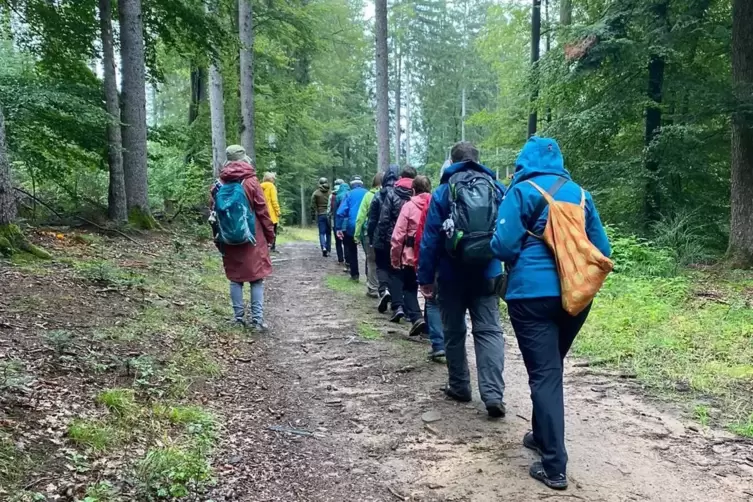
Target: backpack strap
pixel 549 194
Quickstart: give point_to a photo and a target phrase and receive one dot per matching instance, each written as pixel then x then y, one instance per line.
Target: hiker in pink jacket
pixel 402 253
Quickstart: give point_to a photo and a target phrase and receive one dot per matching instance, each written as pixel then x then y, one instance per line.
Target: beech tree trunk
pixel 398 105
pixel 533 118
pixel 382 100
pixel 134 112
pixel 740 251
pixel 246 28
pixel 566 12
pixel 116 197
pixel 217 111
pixel 8 209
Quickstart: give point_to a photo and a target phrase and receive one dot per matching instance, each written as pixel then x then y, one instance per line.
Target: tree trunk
pixel 382 111
pixel 134 112
pixel 398 105
pixel 535 53
pixel 656 66
pixel 246 23
pixel 407 117
pixel 740 251
pixel 8 209
pixel 566 12
pixel 116 199
pixel 303 206
pixel 217 110
pixel 198 91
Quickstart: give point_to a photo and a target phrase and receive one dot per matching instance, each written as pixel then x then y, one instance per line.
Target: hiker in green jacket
pixel 372 283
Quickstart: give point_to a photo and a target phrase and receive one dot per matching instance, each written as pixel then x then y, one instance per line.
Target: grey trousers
pixel 488 342
pixel 257 301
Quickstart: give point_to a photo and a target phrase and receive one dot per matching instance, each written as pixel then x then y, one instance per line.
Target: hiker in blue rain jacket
pixel 341 190
pixel 347 215
pixel 459 289
pixel 545 331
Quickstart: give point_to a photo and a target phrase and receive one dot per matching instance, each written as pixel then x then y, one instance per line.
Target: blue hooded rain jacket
pixel 433 257
pixel 347 211
pixel 532 271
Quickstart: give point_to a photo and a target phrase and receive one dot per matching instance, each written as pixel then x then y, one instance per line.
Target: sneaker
pixel 355 279
pixel 418 327
pixel 557 482
pixel 384 302
pixel 259 327
pixel 325 253
pixel 496 410
pixel 460 397
pixel 274 250
pixel 437 356
pixel 372 294
pixel 398 315
pixel 530 443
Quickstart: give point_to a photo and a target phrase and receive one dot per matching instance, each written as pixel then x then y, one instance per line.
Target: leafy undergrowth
pixel 104 352
pixel 688 332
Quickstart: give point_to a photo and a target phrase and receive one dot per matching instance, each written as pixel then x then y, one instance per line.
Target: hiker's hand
pixel 340 234
pixel 427 290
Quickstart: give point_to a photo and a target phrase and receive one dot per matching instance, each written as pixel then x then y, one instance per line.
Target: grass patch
pixel 104 273
pixel 173 471
pixel 343 284
pixel 95 435
pixel 195 419
pixel 121 402
pixel 14 464
pixel 677 330
pixel 368 332
pixel 298 234
pixel 743 427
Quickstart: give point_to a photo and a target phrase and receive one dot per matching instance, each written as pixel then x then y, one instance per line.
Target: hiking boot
pixel 259 327
pixel 557 482
pixel 325 253
pixel 461 397
pixel 437 356
pixel 238 322
pixel 355 279
pixel 372 294
pixel 530 442
pixel 418 327
pixel 274 250
pixel 398 315
pixel 496 410
pixel 384 302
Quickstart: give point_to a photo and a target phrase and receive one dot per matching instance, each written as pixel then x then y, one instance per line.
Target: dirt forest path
pixel 365 401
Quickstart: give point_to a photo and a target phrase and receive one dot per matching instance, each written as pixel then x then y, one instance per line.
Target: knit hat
pixel 356 181
pixel 235 153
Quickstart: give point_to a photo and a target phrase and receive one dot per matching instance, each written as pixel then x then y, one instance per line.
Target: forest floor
pixel 121 379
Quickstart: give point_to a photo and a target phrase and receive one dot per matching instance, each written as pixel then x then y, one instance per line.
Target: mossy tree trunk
pixel 12 240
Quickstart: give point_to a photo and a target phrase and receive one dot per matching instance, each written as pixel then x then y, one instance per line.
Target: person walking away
pixel 372 282
pixel 432 315
pixel 545 331
pixel 456 247
pixel 381 252
pixel 392 203
pixel 337 196
pixel 244 227
pixel 347 213
pixel 402 254
pixel 319 203
pixel 273 204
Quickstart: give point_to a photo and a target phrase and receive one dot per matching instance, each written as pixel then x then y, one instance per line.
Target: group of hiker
pixel 538 243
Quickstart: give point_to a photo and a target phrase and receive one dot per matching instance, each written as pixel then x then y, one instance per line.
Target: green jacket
pixel 363 214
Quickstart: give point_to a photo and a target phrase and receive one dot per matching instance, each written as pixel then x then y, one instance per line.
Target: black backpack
pixel 474 204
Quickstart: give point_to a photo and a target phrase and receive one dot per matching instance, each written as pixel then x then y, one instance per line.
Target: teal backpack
pixel 236 220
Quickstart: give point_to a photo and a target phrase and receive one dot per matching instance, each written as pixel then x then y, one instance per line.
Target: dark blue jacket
pixel 433 257
pixel 533 273
pixel 347 212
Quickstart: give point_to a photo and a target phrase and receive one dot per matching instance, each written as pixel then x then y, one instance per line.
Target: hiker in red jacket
pixel 247 263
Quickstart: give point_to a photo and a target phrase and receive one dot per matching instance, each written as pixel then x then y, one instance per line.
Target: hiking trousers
pixel 339 247
pixel 454 299
pixel 372 281
pixel 383 266
pixel 411 307
pixel 351 255
pixel 545 333
pixel 325 232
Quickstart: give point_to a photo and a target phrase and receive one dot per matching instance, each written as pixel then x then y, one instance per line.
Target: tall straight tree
pixel 533 118
pixel 382 84
pixel 246 27
pixel 217 112
pixel 116 207
pixel 398 103
pixel 134 112
pixel 566 12
pixel 740 249
pixel 8 210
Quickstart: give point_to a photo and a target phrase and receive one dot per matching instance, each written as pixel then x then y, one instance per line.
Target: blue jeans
pixel 434 321
pixel 325 232
pixel 257 301
pixel 489 345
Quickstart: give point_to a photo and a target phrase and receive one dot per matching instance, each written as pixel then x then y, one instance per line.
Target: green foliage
pixel 102 491
pixel 173 471
pixel 105 273
pixel 93 434
pixel 13 376
pixel 121 402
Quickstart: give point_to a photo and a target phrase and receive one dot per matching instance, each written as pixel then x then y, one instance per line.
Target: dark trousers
pixel 274 240
pixel 325 232
pixel 383 266
pixel 351 254
pixel 410 294
pixel 488 343
pixel 341 257
pixel 545 333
